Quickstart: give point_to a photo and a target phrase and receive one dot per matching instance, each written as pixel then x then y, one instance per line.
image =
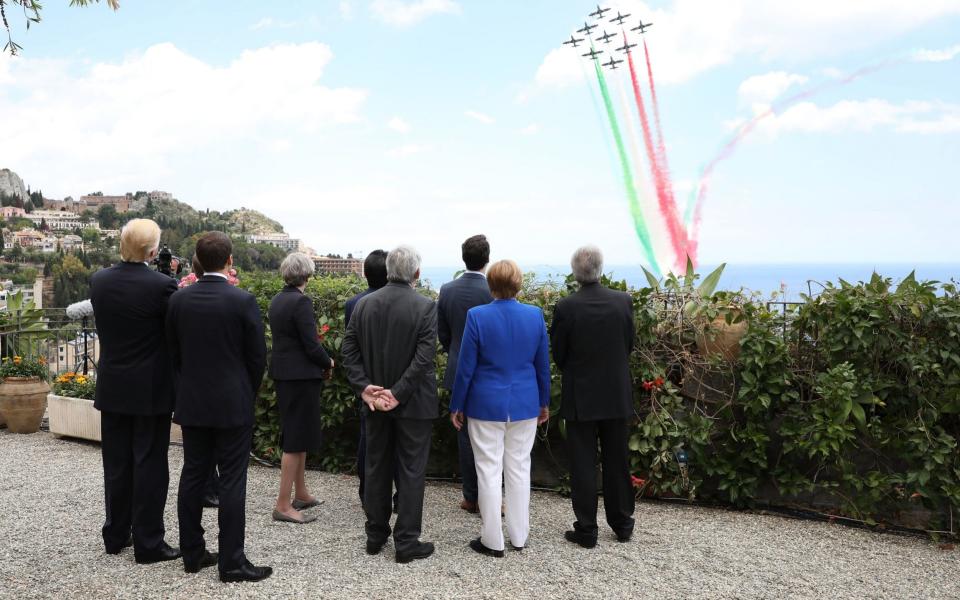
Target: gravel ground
pixel 51 511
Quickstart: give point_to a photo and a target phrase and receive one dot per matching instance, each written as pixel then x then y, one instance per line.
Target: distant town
pixel 39 232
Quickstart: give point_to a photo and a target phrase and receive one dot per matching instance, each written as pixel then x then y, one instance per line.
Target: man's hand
pixel 457 419
pixel 370 397
pixel 328 373
pixel 386 400
pixel 544 415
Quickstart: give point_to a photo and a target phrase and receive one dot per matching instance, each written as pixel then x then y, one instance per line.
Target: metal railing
pixel 65 344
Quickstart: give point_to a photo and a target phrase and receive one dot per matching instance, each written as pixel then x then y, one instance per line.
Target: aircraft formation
pixel 600 16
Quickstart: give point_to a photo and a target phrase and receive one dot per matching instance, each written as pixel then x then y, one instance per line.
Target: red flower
pixel 658 381
pixel 325 328
pixel 647 385
pixel 636 481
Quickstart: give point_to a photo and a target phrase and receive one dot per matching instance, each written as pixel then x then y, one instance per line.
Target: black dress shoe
pixel 126 544
pixel 579 539
pixel 161 554
pixel 374 547
pixel 478 547
pixel 207 560
pixel 247 572
pixel 421 550
pixel 211 502
pixel 624 537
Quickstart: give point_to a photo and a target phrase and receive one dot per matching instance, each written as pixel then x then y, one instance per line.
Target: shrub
pixel 849 400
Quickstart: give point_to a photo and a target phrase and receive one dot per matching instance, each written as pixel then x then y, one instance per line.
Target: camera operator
pixel 167 262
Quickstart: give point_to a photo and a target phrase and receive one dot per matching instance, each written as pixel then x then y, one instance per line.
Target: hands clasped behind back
pixel 378 398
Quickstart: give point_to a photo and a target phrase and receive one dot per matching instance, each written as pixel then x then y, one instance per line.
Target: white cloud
pixel 346 10
pixel 262 24
pixel 768 87
pixel 399 125
pixel 404 14
pixel 942 55
pixel 114 124
pixel 479 116
pixel 690 37
pixel 531 129
pixel 864 116
pixel 406 150
pixel 269 22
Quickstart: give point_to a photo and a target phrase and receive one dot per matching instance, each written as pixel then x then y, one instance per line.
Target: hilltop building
pixel 8 212
pixel 280 240
pixel 327 265
pixel 58 220
pixel 95 201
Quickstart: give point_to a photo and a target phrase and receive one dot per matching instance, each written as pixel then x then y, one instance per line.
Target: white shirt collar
pixel 217 274
pixel 480 273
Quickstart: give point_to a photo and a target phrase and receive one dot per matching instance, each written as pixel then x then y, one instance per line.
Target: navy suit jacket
pixel 352 303
pixel 456 298
pixel 215 334
pixel 504 369
pixel 130 305
pixel 592 336
pixel 296 353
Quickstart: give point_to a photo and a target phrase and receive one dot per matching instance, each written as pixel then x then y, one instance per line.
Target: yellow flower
pixel 80 379
pixel 16 360
pixel 5 359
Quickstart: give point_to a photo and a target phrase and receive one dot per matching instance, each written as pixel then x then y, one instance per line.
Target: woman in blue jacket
pixel 503 388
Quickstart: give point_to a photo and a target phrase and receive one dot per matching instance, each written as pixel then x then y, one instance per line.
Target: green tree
pixel 71 281
pixel 31 13
pixel 107 216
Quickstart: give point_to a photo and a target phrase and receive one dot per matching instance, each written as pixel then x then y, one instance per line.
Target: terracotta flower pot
pixel 722 338
pixel 22 402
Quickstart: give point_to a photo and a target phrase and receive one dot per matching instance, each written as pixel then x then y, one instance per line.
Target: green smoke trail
pixel 635 211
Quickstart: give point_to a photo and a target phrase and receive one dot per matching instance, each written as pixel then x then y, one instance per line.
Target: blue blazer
pixel 503 373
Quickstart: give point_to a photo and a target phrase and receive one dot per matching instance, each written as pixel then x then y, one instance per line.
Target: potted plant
pixel 23 393
pixel 70 406
pixel 717 316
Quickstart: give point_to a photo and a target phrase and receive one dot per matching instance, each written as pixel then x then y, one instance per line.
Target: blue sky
pixel 368 123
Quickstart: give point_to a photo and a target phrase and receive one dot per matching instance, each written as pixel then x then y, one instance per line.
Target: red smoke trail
pixel 661 149
pixel 727 150
pixel 678 234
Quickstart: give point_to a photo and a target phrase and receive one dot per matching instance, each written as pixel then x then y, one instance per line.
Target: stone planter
pixel 722 338
pixel 22 402
pixel 73 417
pixel 77 418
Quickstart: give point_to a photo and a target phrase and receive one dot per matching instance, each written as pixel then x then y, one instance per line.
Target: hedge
pixel 848 400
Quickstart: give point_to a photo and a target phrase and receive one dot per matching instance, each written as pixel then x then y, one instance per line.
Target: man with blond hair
pixel 134 394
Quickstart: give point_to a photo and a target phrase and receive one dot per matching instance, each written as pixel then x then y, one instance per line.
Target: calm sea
pixel 794 279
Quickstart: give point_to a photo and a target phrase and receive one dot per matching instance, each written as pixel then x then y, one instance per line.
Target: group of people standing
pixel 199 354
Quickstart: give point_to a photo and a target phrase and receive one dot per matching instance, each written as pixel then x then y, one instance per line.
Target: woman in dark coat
pixel 298 367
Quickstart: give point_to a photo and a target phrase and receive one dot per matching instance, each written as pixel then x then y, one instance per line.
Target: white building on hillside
pixel 280 240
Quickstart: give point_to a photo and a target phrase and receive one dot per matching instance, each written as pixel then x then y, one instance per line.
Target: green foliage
pixel 851 399
pixel 71 280
pixel 31 15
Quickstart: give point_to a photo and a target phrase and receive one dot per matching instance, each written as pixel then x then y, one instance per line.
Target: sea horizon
pixel 790 279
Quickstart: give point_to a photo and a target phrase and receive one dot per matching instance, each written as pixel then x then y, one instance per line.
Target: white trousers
pixel 502 455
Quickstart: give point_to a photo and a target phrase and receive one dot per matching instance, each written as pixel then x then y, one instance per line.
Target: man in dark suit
pixel 456 298
pixel 388 355
pixel 215 332
pixel 592 338
pixel 375 271
pixel 134 394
